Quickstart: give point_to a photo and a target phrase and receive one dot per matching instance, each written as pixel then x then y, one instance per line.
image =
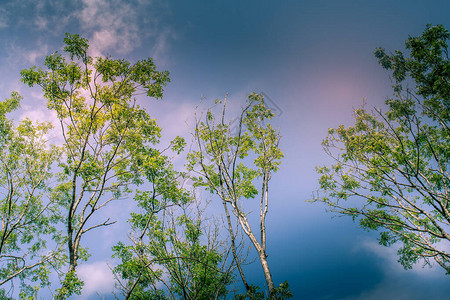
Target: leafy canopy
pixel 391 169
pixel 108 140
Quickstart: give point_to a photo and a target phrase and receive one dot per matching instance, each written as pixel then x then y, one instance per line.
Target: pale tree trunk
pixel 267 274
pixel 233 248
pixel 259 248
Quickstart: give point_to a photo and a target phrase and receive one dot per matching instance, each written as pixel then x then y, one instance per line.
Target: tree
pixel 394 165
pixel 173 255
pixel 106 137
pixel 27 217
pixel 223 159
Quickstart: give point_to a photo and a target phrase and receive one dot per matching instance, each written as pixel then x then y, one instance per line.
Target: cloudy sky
pixel 313 59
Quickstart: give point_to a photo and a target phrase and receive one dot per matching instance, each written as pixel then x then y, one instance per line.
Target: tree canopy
pixel 391 168
pixel 236 162
pixel 27 219
pixel 108 140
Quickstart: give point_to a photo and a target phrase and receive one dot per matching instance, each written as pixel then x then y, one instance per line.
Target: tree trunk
pixel 265 266
pixel 262 254
pixel 233 248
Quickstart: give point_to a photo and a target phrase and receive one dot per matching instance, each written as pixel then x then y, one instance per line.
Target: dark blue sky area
pixel 314 59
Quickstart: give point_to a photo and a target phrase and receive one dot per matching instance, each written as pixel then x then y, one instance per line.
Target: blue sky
pixel 314 59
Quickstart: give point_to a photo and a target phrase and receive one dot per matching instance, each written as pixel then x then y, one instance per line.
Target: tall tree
pixel 107 137
pixel 391 169
pixel 231 160
pixel 27 216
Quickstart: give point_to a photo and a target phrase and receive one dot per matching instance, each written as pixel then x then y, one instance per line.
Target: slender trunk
pixel 8 214
pixel 267 274
pixel 233 248
pixel 65 290
pixel 261 252
pixel 130 291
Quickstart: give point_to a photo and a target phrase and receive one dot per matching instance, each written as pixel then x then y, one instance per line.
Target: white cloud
pixel 42 115
pixel 161 46
pixel 120 26
pixel 113 25
pixel 173 117
pixel 390 257
pixel 17 55
pixel 3 18
pixel 33 55
pixel 398 283
pixel 41 22
pixel 97 277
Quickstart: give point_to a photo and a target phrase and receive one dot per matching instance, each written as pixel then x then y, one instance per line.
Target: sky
pixel 312 59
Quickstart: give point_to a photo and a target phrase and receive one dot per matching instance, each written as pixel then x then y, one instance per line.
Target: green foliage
pixel 281 292
pixel 178 144
pixel 236 162
pixel 4 296
pixel 27 217
pixel 108 150
pixel 253 293
pixel 169 251
pixel 108 139
pixel 72 285
pixel 396 163
pixel 10 104
pixel 224 151
pixel 166 249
